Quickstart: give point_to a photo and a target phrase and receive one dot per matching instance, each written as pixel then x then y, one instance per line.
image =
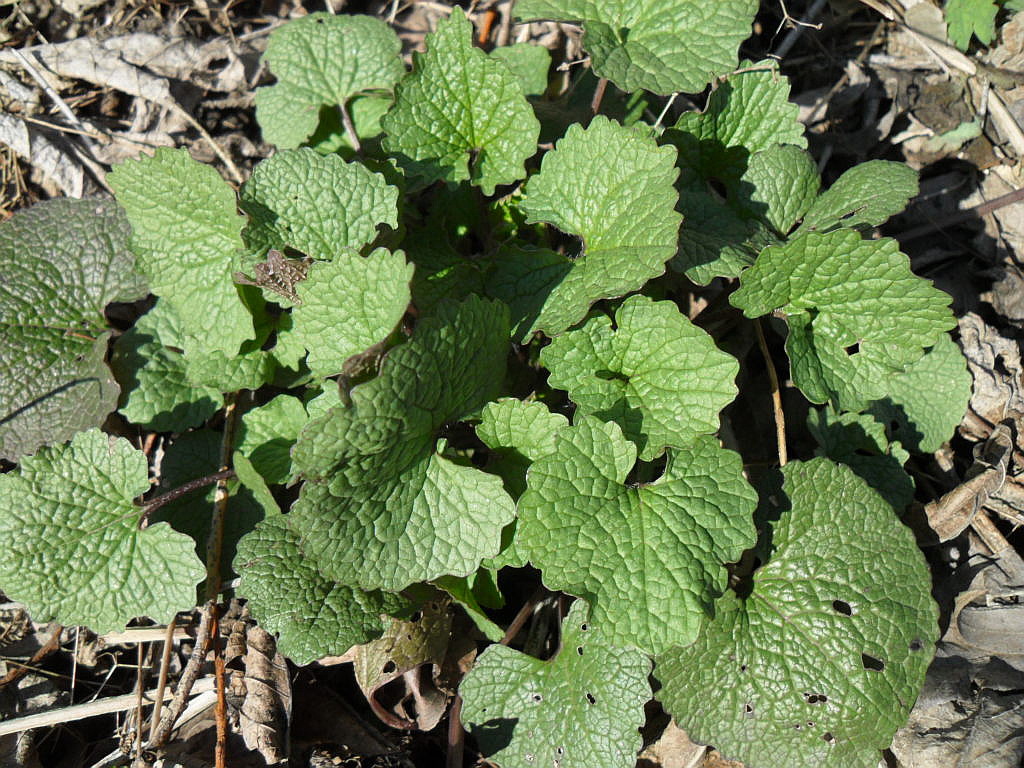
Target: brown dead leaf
pixel 995 363
pixel 398 673
pixel 267 707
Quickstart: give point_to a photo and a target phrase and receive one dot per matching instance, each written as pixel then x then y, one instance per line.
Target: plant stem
pixel 780 418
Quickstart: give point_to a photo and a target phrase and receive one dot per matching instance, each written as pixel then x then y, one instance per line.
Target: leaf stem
pixel 350 129
pixel 780 418
pixel 152 505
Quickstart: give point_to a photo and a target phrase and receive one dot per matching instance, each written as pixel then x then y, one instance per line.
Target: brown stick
pixel 148 507
pixel 780 418
pixel 595 103
pixel 165 663
pixel 214 550
pixel 20 671
pixel 188 679
pixel 350 129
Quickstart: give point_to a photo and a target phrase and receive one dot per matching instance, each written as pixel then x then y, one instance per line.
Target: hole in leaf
pixel 810 723
pixel 916 645
pixel 815 698
pixel 796 726
pixel 743 667
pixel 584 627
pixel 843 607
pixel 388 668
pixel 579 649
pixel 829 738
pixel 560 751
pixel 537 697
pixel 748 710
pixel 870 662
pixel 591 699
pixel 853 349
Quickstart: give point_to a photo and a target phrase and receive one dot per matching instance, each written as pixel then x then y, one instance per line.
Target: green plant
pixel 463 372
pixel 975 18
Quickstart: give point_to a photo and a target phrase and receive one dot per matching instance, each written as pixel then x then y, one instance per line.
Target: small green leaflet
pixel 821 663
pixel 322 60
pixel 319 205
pixel 530 63
pixel 662 46
pixel 652 371
pixel 482 130
pixel 971 17
pixel 350 304
pixel 859 442
pixel 268 433
pixel 748 114
pixel 185 232
pixel 77 555
pixel 381 508
pixel 927 401
pixel 613 187
pixel 865 196
pixel 157 394
pixel 63 261
pixel 581 709
pixel 312 616
pixel 650 559
pixel 856 313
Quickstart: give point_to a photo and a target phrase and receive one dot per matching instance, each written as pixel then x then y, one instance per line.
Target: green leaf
pixel 524 426
pixel 821 663
pixel 63 261
pixel 864 196
pixel 268 434
pixel 581 709
pixel 287 593
pixel 785 183
pixel 746 115
pixel 460 114
pixel 185 232
pixel 441 272
pixel 927 401
pixel 526 278
pixel 250 369
pixel 529 62
pixel 380 507
pixel 350 304
pixel 856 313
pixel 518 433
pixel 193 455
pixel 322 60
pixel 157 394
pixel 971 17
pixel 652 371
pixel 76 553
pixel 319 205
pixel 751 109
pixel 458 587
pixel 650 559
pixel 662 46
pixel 859 442
pixel 612 187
